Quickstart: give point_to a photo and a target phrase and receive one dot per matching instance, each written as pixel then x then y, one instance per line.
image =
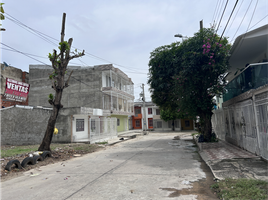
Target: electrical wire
pixel 219 12
pixel 228 20
pixel 234 18
pixel 241 21
pixel 242 40
pixel 42 36
pixel 222 15
pixel 257 22
pixel 214 12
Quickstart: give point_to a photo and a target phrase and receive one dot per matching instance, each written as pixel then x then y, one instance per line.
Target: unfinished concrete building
pixel 103 89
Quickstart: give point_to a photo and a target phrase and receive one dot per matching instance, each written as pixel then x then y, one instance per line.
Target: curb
pixel 127 138
pixel 199 152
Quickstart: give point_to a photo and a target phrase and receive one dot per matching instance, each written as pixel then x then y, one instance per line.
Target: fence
pixel 245 124
pixel 161 125
pixel 102 129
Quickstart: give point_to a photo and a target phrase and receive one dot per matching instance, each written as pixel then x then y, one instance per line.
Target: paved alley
pixel 154 166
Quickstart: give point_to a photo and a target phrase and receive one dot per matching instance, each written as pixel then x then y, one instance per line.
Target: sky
pixel 121 32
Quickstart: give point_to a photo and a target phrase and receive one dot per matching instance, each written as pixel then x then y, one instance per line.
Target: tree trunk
pixel 45 145
pixel 206 126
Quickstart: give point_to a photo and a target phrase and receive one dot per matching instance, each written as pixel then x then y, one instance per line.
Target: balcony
pixel 254 76
pixel 138 116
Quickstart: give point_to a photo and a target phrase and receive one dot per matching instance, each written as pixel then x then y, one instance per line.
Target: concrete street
pixel 148 167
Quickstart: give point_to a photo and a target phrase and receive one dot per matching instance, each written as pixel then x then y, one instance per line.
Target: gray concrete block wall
pixel 21 126
pixel 84 87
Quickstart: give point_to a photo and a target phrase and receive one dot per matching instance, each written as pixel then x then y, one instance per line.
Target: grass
pixel 101 143
pixel 17 150
pixel 11 151
pixel 241 189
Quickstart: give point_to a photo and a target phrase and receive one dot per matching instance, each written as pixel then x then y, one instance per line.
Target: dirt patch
pixel 61 152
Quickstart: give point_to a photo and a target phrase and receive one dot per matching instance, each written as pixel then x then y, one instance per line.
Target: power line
pixel 241 21
pixel 43 36
pixel 248 26
pixel 234 17
pixel 214 12
pixel 219 11
pixel 222 15
pixel 258 22
pixel 229 18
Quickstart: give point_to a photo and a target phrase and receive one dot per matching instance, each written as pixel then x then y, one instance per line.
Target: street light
pixel 180 36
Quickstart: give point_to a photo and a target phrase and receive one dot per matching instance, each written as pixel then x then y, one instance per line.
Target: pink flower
pixel 208 39
pixel 212 53
pixel 220 45
pixel 211 56
pixel 209 63
pixel 204 46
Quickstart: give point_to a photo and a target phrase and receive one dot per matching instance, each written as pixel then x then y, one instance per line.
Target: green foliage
pixel 186 76
pixel 53 75
pixel 241 189
pixel 2 17
pixel 64 46
pixel 168 114
pixel 50 97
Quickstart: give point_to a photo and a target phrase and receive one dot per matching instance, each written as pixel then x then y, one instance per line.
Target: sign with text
pixel 16 90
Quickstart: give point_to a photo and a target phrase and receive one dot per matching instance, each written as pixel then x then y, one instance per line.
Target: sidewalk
pixel 228 161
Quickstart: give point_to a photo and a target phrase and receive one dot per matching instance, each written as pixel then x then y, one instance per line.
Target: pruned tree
pixel 186 76
pixel 59 63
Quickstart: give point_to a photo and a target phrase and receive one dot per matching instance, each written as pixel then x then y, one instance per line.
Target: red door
pixel 150 123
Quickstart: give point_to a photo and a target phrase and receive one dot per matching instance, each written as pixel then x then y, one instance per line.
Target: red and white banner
pixel 16 90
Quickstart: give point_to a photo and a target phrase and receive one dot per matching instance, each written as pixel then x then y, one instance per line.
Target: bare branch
pixel 66 83
pixel 77 55
pixel 63 27
pixel 70 41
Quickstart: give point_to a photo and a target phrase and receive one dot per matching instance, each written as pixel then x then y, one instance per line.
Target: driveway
pixel 148 167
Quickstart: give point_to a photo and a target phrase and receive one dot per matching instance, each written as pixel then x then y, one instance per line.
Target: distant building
pixel 12 73
pixel 153 120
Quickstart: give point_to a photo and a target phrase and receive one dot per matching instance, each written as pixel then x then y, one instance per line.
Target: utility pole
pixel 144 110
pixel 201 24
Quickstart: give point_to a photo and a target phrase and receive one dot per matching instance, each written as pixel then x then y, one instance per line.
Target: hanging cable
pixel 228 20
pixel 222 15
pixel 234 18
pixel 241 21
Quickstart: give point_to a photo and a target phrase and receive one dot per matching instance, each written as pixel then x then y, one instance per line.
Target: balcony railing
pixel 251 78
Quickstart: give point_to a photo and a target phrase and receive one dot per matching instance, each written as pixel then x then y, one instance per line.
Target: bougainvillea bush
pixel 184 77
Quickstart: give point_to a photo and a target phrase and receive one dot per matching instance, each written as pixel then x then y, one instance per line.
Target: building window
pixel 187 123
pixel 137 111
pixel 80 125
pixel 151 123
pixel 157 111
pixel 93 125
pixel 138 123
pixel 159 124
pixel 150 111
pixel 118 122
